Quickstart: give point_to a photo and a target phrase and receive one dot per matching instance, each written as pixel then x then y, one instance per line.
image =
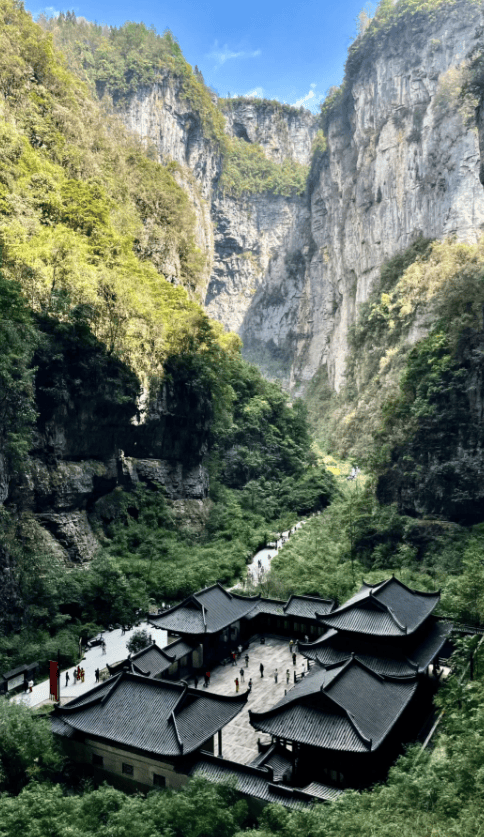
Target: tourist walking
pixel 306 638
pixel 67 678
pixel 275 675
pixel 291 643
pixel 97 674
pixel 234 658
pixel 294 658
pixel 288 675
pixel 242 674
pixel 247 661
pixel 104 646
pixel 74 676
pixel 195 681
pixel 207 679
pixel 236 681
pixel 249 686
pixel 261 669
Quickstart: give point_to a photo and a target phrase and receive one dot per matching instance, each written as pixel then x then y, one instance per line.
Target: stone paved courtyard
pixel 239 738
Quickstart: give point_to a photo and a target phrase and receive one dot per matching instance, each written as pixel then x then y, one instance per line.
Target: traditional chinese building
pixel 210 619
pixel 387 626
pixel 345 720
pixel 172 662
pixel 217 621
pixel 141 732
pixel 335 720
pixel 341 725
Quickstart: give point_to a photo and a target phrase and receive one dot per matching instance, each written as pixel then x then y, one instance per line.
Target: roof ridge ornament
pixel 365 739
pixel 396 619
pixel 177 734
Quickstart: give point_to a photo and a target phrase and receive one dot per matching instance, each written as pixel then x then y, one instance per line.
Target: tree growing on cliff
pixel 18 339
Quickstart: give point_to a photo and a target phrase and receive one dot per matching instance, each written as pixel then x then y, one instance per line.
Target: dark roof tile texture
pixel 348 708
pixel 151 715
pixel 206 612
pixel 306 607
pixel 257 782
pixel 386 609
pixel 411 654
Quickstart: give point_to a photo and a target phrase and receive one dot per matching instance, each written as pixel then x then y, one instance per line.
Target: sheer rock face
pixel 253 235
pixel 162 115
pixel 261 244
pixel 402 161
pixel 283 133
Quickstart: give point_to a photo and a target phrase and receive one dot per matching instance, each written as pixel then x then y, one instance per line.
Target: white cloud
pixel 48 11
pixel 312 97
pixel 223 54
pixel 256 93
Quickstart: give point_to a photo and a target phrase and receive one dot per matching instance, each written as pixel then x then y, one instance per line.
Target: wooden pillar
pixel 219 742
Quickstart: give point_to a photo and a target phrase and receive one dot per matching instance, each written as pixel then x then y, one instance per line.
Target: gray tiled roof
pixel 386 609
pixel 430 643
pixel 208 611
pixel 257 782
pixel 308 607
pixel 178 649
pixel 346 708
pixel 273 607
pixel 304 607
pixel 405 658
pixel 150 661
pixel 326 792
pixel 157 716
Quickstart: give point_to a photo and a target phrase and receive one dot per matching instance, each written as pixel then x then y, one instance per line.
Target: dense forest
pixel 90 227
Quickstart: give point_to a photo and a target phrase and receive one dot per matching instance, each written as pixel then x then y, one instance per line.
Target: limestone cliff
pixel 402 160
pixel 256 238
pixel 163 115
pixel 282 131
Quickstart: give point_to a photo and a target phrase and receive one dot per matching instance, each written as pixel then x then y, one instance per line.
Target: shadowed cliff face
pixel 438 471
pixel 91 440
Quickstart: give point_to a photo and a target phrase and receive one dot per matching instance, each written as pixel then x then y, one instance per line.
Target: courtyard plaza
pixel 239 738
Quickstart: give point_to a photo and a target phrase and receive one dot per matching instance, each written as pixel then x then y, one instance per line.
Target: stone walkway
pixel 239 738
pixel 93 658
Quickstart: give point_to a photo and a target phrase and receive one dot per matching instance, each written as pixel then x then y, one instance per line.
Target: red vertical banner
pixel 54 679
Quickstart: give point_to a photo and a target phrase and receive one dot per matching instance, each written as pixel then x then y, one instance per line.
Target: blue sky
pixel 290 50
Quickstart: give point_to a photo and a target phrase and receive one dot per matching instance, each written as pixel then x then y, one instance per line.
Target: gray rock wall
pixel 282 131
pixel 403 160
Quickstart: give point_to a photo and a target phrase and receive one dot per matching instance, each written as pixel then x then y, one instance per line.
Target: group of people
pixel 237 682
pixel 77 675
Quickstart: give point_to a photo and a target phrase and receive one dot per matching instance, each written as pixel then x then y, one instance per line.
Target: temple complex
pixel 337 721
